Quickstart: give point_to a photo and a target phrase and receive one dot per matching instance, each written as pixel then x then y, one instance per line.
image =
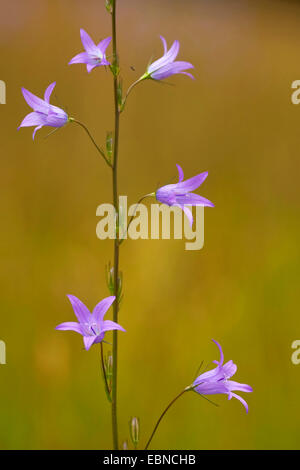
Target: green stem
pixel 93 140
pixel 163 414
pixel 116 242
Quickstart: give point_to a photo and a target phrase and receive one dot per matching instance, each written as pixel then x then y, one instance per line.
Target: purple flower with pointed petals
pixel 216 380
pixel 44 113
pixel 179 194
pixel 90 325
pixel 94 55
pixel 166 65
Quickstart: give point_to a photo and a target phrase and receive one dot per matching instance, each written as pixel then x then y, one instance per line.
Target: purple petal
pixel 229 369
pixel 33 119
pixel 104 44
pixel 89 341
pixel 211 388
pixel 165 60
pixel 240 399
pixel 57 117
pixel 109 325
pixel 192 183
pixel 191 199
pixel 81 58
pixel 48 92
pixel 180 173
pixel 34 102
pixel 87 42
pixel 70 326
pixel 35 130
pixel 90 67
pixel 221 352
pixel 237 386
pixel 81 311
pixel 169 69
pixel 102 307
pixel 164 44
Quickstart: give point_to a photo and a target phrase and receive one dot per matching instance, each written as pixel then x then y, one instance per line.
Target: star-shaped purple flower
pixel 216 380
pixel 179 194
pixel 166 65
pixel 44 113
pixel 90 325
pixel 94 55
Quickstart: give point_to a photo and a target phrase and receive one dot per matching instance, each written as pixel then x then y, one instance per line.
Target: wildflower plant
pixel 91 325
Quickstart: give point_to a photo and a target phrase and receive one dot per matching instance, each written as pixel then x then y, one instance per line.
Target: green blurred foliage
pixel 235 120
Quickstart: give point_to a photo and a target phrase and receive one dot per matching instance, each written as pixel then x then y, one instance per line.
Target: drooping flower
pixel 90 325
pixel 94 55
pixel 216 380
pixel 44 113
pixel 179 194
pixel 166 65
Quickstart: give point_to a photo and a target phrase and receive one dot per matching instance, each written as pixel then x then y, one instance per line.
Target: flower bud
pixel 125 445
pixel 108 6
pixel 134 427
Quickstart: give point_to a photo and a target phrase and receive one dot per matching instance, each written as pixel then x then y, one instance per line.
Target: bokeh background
pixel 236 120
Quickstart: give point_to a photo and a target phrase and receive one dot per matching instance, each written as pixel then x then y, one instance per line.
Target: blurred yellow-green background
pixel 236 120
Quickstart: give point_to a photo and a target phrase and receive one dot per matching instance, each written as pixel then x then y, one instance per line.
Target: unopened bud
pixel 134 427
pixel 125 445
pixel 108 5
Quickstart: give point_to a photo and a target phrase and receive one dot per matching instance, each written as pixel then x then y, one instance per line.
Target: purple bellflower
pixel 94 55
pixel 44 113
pixel 166 65
pixel 216 380
pixel 90 325
pixel 179 194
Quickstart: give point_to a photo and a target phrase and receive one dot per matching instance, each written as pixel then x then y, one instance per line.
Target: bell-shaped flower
pixel 90 325
pixel 179 194
pixel 44 113
pixel 94 55
pixel 217 380
pixel 167 65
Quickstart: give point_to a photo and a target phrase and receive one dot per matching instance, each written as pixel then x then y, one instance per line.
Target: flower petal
pixel 70 326
pixel 164 44
pixel 232 385
pixel 81 311
pixel 171 68
pixel 191 199
pixel 90 67
pixel 33 119
pixel 109 325
pixel 221 352
pixel 240 399
pixel 102 307
pixel 35 130
pixel 81 58
pixel 166 59
pixel 192 183
pixel 36 103
pixel 104 44
pixel 180 173
pixel 48 92
pixel 89 341
pixel 229 369
pixel 87 42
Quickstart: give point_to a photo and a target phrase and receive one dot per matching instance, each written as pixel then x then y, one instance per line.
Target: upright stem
pixel 116 242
